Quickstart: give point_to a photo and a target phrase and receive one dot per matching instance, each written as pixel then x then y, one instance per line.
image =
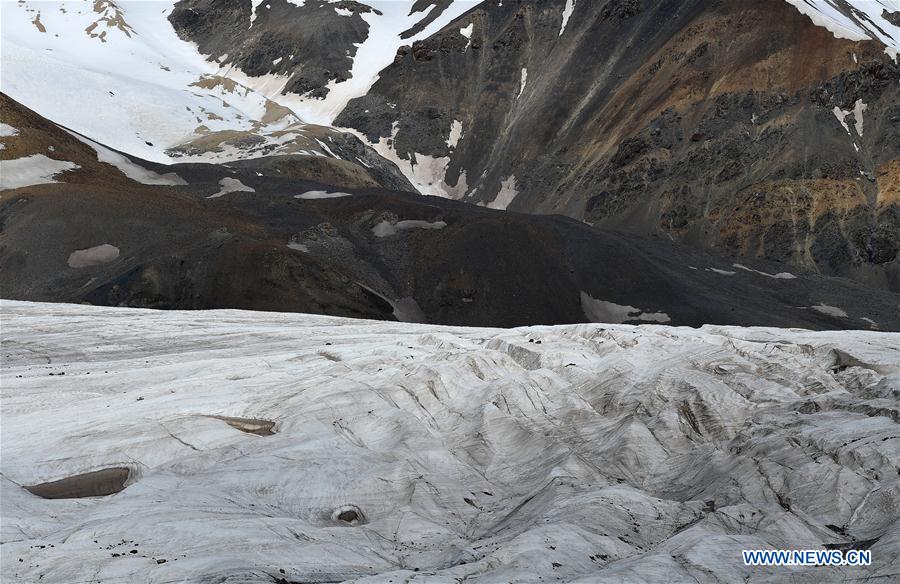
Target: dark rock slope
pixel 313 43
pixel 737 126
pixel 248 236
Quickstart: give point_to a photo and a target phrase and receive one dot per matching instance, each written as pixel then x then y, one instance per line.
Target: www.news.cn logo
pixel 807 557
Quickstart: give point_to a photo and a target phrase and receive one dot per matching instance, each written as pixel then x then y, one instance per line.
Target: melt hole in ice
pixel 348 514
pixel 249 425
pixel 98 483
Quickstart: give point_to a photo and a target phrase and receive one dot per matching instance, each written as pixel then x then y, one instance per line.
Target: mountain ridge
pixel 268 233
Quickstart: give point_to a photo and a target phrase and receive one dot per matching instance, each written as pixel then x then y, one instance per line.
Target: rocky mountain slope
pixel 632 118
pixel 252 447
pixel 312 55
pixel 762 130
pixel 743 126
pixel 83 223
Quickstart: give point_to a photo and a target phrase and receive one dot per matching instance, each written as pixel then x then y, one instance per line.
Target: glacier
pixel 267 447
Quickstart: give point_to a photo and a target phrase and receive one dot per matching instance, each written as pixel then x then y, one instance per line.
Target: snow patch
pixel 567 13
pixel 93 256
pixel 506 194
pixel 309 195
pixel 6 130
pixel 610 312
pixel 36 169
pixel 130 169
pixel 388 228
pixel 426 173
pixel 778 276
pixel 327 149
pixel 254 5
pixel 872 323
pixel 522 81
pixel 407 310
pixel 404 309
pixel 231 185
pixel 466 31
pixel 841 115
pixel 829 310
pixel 455 134
pixel 722 272
pixel 858 108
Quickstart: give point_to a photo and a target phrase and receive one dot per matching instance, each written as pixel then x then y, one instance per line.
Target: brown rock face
pixel 663 117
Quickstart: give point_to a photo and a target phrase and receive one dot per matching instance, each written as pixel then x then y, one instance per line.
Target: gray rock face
pixel 400 452
pixel 892 17
pixel 312 43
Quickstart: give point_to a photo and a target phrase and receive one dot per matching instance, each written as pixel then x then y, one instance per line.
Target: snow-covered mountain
pixel 332 50
pixel 229 446
pixel 120 75
pixel 857 20
pixel 117 72
pixel 157 91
